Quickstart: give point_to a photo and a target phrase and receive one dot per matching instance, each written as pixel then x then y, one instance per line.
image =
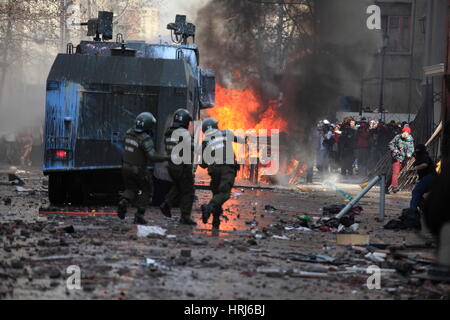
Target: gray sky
pixel 169 8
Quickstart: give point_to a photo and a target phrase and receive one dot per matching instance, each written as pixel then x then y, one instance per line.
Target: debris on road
pixel 22 189
pixel 280 237
pixel 409 219
pixel 144 231
pixel 157 265
pixel 352 239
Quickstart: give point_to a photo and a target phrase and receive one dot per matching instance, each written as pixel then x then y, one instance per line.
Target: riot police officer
pixel 180 167
pixel 222 167
pixel 139 151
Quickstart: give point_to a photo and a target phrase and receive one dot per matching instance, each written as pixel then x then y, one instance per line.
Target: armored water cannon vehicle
pixel 94 93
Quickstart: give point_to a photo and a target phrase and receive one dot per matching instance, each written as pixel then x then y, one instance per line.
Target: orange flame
pixel 241 109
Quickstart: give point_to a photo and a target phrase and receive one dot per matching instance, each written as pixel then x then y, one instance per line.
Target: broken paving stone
pixel 69 229
pixel 241 248
pixel 211 264
pixel 96 242
pixel 319 268
pixel 88 287
pixel 296 273
pixel 197 242
pixel 155 273
pixel 7 201
pixel 24 233
pixel 180 261
pixel 17 264
pixel 123 271
pixel 42 243
pixel 272 272
pixel 54 273
pixel 270 208
pixel 185 253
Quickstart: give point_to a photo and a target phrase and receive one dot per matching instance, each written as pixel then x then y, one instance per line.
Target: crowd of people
pixel 18 148
pixel 352 147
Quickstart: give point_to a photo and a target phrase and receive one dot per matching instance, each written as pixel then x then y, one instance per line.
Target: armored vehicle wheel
pixel 56 189
pixel 75 190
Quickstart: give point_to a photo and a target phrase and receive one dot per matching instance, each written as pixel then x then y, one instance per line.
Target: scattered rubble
pixel 144 231
pixel 262 251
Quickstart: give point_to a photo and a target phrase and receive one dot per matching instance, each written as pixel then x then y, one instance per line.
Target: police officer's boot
pixel 122 210
pixel 217 212
pixel 206 213
pixel 165 209
pixel 186 219
pixel 216 221
pixel 139 217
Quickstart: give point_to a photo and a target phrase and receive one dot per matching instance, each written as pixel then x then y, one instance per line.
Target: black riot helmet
pixel 144 122
pixel 210 123
pixel 181 118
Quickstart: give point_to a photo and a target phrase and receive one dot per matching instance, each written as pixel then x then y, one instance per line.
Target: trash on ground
pixel 69 229
pixel 22 189
pixel 409 219
pixel 185 253
pixel 336 208
pixel 364 270
pixel 280 237
pixel 153 263
pixel 270 208
pixel 296 273
pixel 303 189
pixel 298 229
pixel 353 239
pixel 13 180
pixel 376 256
pixel 271 272
pixel 144 231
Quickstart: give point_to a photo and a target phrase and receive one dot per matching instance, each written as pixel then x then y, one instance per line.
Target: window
pixel 397 24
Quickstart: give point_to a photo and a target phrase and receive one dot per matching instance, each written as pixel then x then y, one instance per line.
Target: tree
pixel 26 28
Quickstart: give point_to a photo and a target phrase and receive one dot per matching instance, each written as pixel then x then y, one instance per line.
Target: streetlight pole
pixel 383 56
pixel 63 25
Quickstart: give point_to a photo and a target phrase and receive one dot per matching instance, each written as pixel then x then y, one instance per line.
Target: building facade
pixel 394 82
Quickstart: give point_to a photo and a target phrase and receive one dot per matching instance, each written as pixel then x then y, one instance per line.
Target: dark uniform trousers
pixel 182 192
pixel 138 185
pixel 222 181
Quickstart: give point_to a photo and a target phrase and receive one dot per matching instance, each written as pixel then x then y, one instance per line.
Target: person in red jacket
pixel 362 147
